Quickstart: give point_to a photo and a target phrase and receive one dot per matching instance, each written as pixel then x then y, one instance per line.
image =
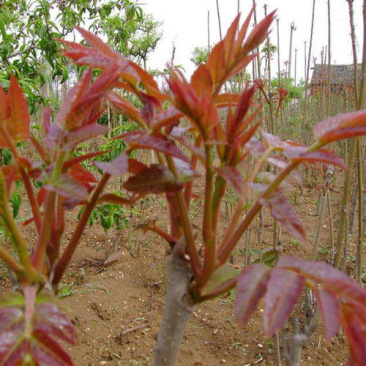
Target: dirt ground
pixel 117 308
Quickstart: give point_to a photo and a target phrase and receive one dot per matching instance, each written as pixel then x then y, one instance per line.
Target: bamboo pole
pixel 305 122
pixel 292 29
pixel 219 18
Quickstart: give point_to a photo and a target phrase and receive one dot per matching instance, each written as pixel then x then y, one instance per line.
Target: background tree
pixel 29 31
pixel 199 55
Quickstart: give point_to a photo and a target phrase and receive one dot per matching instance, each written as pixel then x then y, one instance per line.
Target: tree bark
pixel 179 307
pixel 293 344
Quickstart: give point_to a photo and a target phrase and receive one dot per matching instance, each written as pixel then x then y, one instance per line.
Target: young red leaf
pixel 54 137
pixel 282 211
pixel 283 290
pixel 236 124
pixel 239 142
pixel 323 156
pixel 157 142
pixel 331 278
pixel 26 331
pixel 255 147
pixel 148 110
pixel 299 153
pixel 19 122
pixel 4 105
pixel 129 134
pixel 99 45
pixel 258 188
pixel 270 140
pixel 117 167
pixel 82 103
pixel 278 161
pixel 135 167
pixel 251 287
pixel 329 309
pixel 69 188
pixel 232 176
pixel 186 143
pixel 14 113
pixel 166 118
pixel 227 100
pixel 201 81
pixel 103 57
pixel 232 54
pixel 73 97
pixel 155 179
pixel 259 33
pixel 82 175
pixel 199 108
pixel 151 88
pixel 356 334
pixel 125 107
pixel 340 127
pixel 48 319
pixel 185 172
pixel 45 351
pixel 82 55
pixel 82 134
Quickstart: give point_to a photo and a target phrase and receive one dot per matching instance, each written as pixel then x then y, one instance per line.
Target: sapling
pixel 193 275
pixel 30 321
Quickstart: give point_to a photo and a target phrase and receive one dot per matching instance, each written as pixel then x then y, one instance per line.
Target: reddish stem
pixel 39 252
pixel 186 225
pixel 70 249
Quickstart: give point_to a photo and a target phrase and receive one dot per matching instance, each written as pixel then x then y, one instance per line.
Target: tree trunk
pixel 179 307
pixel 294 343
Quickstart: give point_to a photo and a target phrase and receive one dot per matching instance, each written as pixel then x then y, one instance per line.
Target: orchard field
pixel 150 217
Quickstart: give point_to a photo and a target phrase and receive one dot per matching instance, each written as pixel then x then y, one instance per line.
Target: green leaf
pixel 16 201
pixel 220 279
pixel 269 257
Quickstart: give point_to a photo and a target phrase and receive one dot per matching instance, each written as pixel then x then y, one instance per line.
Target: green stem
pixel 13 232
pixel 12 263
pixel 361 99
pixel 25 178
pixel 18 241
pixel 344 205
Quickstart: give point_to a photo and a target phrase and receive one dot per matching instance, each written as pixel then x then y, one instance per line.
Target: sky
pixel 184 24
